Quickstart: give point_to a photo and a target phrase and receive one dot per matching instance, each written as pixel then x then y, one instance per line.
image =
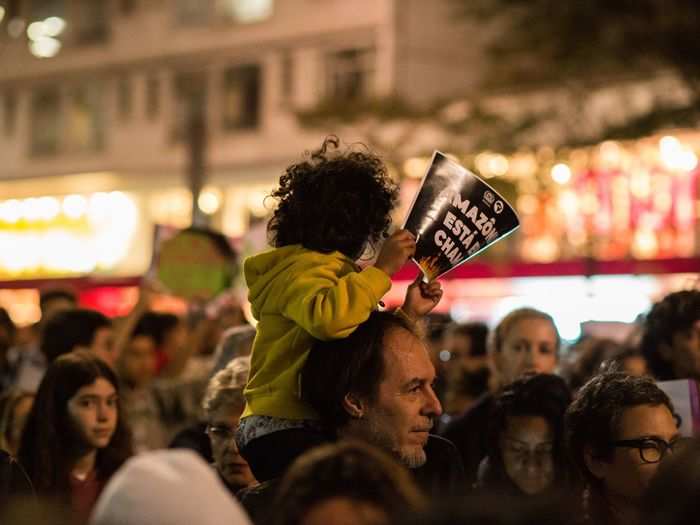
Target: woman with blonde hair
pixel 525 341
pixel 76 436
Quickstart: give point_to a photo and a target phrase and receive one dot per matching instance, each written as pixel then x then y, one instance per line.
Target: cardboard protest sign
pixel 195 264
pixel 454 216
pixel 685 397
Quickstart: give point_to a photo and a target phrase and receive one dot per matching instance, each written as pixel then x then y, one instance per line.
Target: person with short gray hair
pixel 223 405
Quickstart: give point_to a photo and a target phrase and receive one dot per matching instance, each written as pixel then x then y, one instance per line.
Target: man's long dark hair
pixel 354 364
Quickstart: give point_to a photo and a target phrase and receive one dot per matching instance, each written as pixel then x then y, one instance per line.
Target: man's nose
pixel 432 404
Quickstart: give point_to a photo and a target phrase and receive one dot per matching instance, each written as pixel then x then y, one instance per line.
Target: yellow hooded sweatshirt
pixel 296 295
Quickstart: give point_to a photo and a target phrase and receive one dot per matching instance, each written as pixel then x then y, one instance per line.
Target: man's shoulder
pixel 443 472
pixel 440 446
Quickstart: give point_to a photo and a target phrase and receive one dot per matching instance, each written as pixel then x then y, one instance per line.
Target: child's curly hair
pixel 333 201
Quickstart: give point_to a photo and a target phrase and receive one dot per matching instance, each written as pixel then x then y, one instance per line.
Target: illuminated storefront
pixel 605 230
pixel 99 244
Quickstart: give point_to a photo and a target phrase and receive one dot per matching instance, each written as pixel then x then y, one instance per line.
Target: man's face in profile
pixel 400 416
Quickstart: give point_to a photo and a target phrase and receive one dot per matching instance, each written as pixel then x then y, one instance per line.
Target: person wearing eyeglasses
pixel 526 438
pixel 619 429
pixel 525 341
pixel 223 405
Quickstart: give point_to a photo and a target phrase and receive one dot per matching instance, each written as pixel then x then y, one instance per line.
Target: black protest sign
pixel 454 216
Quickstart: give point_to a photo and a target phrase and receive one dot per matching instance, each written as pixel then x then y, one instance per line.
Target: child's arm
pixel 395 252
pixel 421 298
pixel 328 306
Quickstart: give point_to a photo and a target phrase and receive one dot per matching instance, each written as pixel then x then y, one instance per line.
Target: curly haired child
pixel 332 206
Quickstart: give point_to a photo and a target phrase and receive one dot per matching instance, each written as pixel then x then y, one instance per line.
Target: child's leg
pixel 270 455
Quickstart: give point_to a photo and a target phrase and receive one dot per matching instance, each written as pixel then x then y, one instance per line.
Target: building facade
pixel 95 98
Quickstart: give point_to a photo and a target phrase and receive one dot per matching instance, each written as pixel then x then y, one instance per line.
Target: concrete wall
pixel 150 42
pixel 420 53
pixel 437 55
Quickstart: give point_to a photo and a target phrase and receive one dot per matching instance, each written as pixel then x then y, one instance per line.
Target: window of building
pixel 190 98
pixel 46 25
pixel 350 74
pixel 9 112
pixel 287 77
pixel 124 97
pixel 192 12
pixel 152 97
pixel 43 9
pixel 246 11
pixel 92 22
pixel 84 125
pixel 45 121
pixel 241 97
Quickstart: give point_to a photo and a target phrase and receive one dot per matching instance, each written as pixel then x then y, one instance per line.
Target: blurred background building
pixel 117 115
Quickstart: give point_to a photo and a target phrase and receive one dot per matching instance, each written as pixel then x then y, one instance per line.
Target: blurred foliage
pixel 571 51
pixel 579 44
pixel 350 111
pixel 588 39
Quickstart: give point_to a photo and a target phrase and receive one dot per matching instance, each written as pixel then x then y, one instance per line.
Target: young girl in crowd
pixel 331 208
pixel 75 437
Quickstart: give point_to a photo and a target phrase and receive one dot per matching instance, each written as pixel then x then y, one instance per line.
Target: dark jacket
pixel 469 433
pixel 13 479
pixel 442 474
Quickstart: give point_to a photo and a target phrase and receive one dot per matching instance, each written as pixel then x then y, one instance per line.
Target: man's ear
pixel 354 406
pixel 596 466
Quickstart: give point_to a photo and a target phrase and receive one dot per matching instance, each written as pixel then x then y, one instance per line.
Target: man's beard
pixel 412 458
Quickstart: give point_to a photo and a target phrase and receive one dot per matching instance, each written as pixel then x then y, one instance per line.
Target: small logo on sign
pixel 489 197
pixel 498 206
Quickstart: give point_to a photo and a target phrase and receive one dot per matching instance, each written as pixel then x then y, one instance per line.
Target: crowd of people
pixel 336 410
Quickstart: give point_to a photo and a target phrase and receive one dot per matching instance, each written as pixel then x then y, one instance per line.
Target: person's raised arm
pixel 395 252
pixel 421 298
pixel 124 328
pixel 330 307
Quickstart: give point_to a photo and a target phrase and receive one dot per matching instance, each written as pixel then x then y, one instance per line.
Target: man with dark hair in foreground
pixel 376 385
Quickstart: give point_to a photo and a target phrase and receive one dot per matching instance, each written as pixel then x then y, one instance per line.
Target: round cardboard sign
pixel 195 264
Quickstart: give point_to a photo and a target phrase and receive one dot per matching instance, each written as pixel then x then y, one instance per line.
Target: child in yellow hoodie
pixel 332 206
